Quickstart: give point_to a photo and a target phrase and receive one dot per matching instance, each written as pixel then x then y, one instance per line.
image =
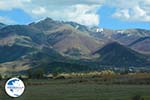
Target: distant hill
pixel 119 55
pixel 125 37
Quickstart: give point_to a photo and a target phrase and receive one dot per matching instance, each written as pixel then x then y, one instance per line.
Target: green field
pixel 68 89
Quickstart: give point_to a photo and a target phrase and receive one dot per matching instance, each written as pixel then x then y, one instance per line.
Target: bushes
pixel 59 77
pixel 106 76
pixel 137 97
pixel 1 77
pixel 37 74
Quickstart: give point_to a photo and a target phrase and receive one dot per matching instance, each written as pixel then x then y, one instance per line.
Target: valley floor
pixel 67 89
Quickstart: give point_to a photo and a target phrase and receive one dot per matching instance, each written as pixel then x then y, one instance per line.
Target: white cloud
pixel 83 14
pixel 6 20
pixel 81 11
pixel 120 13
pixel 134 10
pixel 12 4
pixel 9 4
pixel 39 11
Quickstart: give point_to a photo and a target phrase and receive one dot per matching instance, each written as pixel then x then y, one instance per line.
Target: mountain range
pixel 50 44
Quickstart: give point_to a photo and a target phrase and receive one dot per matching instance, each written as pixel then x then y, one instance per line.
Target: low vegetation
pixel 96 85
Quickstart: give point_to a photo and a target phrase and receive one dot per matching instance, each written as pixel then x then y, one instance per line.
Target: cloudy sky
pixel 114 14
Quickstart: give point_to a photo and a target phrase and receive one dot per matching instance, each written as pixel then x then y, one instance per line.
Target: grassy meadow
pixel 105 85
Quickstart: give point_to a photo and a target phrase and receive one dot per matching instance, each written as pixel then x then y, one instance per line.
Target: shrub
pixel 137 97
pixel 1 77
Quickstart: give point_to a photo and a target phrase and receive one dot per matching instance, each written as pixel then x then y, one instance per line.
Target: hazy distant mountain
pixel 2 25
pixel 49 42
pixel 125 37
pixel 142 45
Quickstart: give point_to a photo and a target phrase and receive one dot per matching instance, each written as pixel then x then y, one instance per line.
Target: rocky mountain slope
pixel 49 42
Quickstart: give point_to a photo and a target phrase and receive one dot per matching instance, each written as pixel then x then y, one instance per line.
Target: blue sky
pixel 113 14
pixel 108 21
pixel 16 16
